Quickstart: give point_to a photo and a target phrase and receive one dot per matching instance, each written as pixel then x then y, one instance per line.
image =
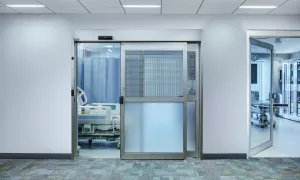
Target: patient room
pixel 98 92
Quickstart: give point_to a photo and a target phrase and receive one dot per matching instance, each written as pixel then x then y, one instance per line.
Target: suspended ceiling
pixel 167 6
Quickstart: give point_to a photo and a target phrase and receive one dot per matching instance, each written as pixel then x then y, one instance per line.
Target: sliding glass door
pixel 153 100
pixel 158 103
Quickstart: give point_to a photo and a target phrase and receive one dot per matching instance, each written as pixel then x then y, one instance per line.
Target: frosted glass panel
pixel 154 73
pixel 153 127
pixel 191 126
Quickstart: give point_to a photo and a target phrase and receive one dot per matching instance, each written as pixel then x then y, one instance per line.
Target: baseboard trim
pixel 225 156
pixel 34 156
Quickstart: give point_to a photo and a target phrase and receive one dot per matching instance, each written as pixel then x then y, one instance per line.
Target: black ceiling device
pixel 105 38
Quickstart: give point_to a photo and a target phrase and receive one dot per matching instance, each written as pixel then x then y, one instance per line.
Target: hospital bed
pixel 98 121
pixel 260 113
pixel 115 112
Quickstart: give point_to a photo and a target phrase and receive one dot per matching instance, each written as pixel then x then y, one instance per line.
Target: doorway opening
pixel 98 92
pixel 275 97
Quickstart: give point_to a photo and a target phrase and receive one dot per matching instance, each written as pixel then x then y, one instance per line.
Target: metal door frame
pixel 163 46
pixel 252 33
pixel 196 98
pixel 144 36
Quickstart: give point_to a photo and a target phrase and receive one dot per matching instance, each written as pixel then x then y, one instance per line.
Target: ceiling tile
pixel 6 10
pixel 51 3
pixel 219 7
pixel 263 2
pixel 33 10
pixel 180 7
pixel 178 10
pixel 290 7
pixel 69 9
pixel 1 5
pixel 24 2
pixel 143 10
pixel 101 3
pixel 253 11
pixel 106 10
pixel 143 2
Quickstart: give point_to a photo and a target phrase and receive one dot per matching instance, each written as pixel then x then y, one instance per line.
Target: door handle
pixel 121 100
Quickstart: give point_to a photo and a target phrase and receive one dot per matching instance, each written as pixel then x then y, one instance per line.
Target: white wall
pixel 35 66
pixel 224 87
pixel 226 77
pixel 35 53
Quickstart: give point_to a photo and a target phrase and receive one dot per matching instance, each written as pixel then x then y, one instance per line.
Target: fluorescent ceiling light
pixel 289 51
pixel 258 7
pixel 26 6
pixel 142 6
pixel 109 50
pixel 109 46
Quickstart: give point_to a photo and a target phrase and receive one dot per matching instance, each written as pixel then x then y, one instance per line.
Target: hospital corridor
pixel 149 89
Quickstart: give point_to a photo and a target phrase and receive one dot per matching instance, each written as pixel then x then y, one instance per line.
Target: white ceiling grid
pixel 259 3
pixel 103 6
pixel 167 6
pixel 180 6
pixel 290 7
pixel 219 6
pixel 6 10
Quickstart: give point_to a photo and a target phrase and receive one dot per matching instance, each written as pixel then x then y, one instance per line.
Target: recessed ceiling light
pixel 142 6
pixel 258 7
pixel 26 6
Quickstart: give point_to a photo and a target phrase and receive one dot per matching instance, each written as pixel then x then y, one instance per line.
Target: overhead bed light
pixel 258 7
pixel 26 6
pixel 142 6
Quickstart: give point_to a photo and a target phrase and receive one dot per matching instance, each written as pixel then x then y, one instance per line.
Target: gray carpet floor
pixel 112 169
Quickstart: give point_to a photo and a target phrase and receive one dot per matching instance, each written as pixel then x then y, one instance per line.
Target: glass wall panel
pixel 191 126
